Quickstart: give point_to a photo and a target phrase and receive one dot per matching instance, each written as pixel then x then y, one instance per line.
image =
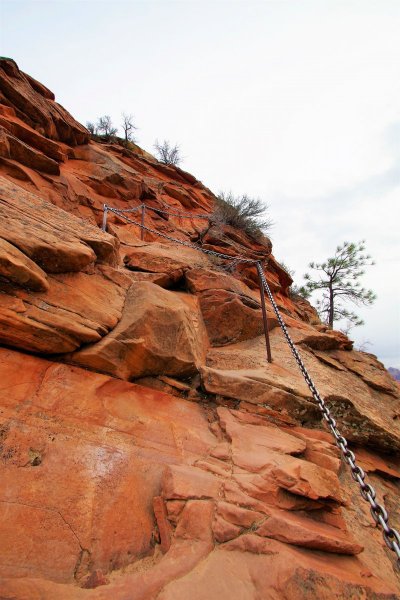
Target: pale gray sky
pixel 294 101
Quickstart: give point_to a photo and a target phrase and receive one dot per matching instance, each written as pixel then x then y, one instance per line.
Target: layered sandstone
pixel 148 449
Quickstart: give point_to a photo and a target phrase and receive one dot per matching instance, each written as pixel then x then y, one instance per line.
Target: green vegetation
pixel 242 212
pixel 338 278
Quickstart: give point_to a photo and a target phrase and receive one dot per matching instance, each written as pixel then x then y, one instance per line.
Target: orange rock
pixel 19 269
pixel 57 241
pixel 181 482
pixel 36 103
pixel 32 138
pixel 157 334
pixel 223 530
pixel 31 157
pixel 300 530
pixel 95 579
pixel 58 321
pixel 239 516
pixel 200 280
pixel 278 571
pixel 252 446
pixel 84 455
pixel 164 527
pixel 231 318
pixel 195 521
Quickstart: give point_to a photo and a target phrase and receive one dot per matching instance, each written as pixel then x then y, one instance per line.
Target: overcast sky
pixel 294 101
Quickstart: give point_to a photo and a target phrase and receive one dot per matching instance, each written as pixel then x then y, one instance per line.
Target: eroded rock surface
pixel 214 478
pixel 86 458
pixel 159 332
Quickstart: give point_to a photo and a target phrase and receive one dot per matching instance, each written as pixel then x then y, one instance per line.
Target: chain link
pixel 124 210
pixel 390 535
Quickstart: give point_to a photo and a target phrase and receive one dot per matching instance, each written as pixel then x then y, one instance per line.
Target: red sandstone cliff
pixel 147 448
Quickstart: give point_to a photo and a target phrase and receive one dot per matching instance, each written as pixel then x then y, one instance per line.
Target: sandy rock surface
pixel 148 450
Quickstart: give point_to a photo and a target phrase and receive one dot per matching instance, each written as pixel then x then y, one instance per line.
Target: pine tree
pixel 338 278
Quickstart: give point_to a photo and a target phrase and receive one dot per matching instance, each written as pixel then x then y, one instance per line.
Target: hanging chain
pixel 240 259
pixel 379 513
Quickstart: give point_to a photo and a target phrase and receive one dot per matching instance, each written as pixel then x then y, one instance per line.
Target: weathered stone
pixel 300 530
pixel 57 241
pixel 33 100
pixel 20 270
pixel 157 334
pixel 31 157
pixel 163 259
pixel 181 482
pixel 149 469
pixel 59 320
pixel 231 318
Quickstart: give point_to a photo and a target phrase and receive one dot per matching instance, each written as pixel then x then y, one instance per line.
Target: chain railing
pixel 379 514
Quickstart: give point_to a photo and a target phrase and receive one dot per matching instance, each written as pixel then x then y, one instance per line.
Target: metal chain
pixel 159 210
pixel 124 210
pixel 238 259
pixel 379 513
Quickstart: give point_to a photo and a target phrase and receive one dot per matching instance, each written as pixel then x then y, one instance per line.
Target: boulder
pixel 76 309
pixel 231 318
pixel 159 333
pixel 26 155
pixel 165 260
pixel 231 310
pixel 54 239
pixel 17 268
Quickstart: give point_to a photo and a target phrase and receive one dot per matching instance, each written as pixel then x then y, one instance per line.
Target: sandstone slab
pixel 76 309
pixel 36 103
pixel 158 334
pixel 17 268
pixel 55 240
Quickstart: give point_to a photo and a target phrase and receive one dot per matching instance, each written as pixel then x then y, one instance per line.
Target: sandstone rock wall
pixel 148 449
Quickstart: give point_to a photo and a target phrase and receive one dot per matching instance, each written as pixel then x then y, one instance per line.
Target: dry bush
pixel 167 153
pixel 242 212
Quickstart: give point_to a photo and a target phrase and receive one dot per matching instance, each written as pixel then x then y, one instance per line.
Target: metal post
pixel 264 313
pixel 105 211
pixel 141 229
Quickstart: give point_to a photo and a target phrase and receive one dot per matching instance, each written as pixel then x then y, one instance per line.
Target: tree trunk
pixel 331 307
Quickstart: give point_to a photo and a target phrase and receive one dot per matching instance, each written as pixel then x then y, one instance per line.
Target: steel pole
pixel 105 212
pixel 141 229
pixel 264 313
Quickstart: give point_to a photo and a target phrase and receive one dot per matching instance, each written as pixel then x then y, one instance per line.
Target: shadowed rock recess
pixel 147 449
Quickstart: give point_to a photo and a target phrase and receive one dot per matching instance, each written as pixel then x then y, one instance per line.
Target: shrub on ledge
pixel 242 212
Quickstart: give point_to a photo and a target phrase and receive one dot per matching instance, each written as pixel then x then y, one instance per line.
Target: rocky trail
pixel 148 450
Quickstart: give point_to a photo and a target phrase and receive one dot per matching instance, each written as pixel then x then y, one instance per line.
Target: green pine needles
pixel 338 278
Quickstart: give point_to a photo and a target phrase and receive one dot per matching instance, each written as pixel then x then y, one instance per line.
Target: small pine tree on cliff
pixel 338 278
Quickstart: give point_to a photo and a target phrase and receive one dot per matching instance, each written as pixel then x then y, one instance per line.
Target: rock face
pixel 87 460
pixel 157 333
pixel 149 451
